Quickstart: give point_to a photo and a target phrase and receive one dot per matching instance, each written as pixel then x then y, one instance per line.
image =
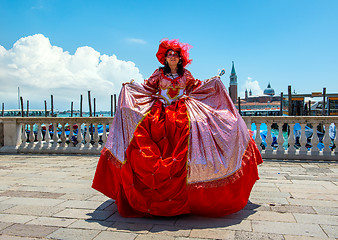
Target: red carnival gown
pixel 177 146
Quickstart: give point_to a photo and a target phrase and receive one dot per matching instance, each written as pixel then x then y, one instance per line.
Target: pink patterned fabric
pixel 218 134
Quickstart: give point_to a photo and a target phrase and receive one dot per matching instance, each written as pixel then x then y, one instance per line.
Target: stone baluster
pixel 248 122
pixel 315 140
pixel 268 139
pixel 63 135
pixel 280 139
pixel 39 135
pixel 303 150
pixel 327 140
pixel 258 138
pixel 47 135
pixel 87 136
pixel 96 135
pixel 104 135
pixel 291 140
pixel 79 136
pixel 55 135
pixel 23 135
pixel 71 134
pixel 31 134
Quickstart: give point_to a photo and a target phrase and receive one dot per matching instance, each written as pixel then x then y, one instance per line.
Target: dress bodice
pixel 171 87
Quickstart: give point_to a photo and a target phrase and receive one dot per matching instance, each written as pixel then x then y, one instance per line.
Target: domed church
pixel 269 91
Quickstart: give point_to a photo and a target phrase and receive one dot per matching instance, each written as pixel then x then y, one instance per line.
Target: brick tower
pixel 233 84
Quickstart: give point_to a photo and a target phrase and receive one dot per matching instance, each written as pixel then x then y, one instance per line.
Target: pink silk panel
pixel 218 135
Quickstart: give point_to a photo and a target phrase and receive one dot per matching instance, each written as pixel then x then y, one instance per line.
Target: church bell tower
pixel 233 84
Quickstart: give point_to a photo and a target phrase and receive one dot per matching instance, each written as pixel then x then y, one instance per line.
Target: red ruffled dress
pixel 177 146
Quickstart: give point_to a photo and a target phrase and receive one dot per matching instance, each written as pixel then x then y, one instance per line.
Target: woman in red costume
pixel 177 145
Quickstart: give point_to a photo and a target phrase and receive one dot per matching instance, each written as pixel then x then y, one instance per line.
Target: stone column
pixel 11 135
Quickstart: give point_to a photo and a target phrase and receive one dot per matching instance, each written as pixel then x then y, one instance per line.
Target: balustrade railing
pixel 277 137
pixel 55 135
pixel 299 137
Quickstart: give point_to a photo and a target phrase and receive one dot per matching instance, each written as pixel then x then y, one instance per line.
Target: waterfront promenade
pixel 50 197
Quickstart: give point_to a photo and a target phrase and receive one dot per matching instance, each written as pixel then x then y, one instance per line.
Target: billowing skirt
pixel 194 156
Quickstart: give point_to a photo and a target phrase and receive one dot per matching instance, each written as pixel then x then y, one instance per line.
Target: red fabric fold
pixel 153 179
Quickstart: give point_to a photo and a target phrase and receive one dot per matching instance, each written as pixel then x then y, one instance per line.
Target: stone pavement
pixel 49 197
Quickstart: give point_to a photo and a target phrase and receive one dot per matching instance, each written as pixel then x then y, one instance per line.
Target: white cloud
pixel 136 40
pixel 252 85
pixel 41 69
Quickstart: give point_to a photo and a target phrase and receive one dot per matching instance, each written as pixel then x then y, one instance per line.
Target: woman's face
pixel 172 58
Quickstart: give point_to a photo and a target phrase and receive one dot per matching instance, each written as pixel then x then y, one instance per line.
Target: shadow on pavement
pixel 106 215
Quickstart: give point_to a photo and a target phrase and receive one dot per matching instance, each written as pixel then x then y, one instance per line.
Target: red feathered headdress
pixel 175 45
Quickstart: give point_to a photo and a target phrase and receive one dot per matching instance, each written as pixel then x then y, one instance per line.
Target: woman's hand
pixel 131 81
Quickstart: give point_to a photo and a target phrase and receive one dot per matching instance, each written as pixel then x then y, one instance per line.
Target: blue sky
pixel 285 42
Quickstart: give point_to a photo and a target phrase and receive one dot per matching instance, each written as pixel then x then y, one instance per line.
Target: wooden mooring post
pixel 21 103
pixel 46 114
pixel 52 105
pixel 81 100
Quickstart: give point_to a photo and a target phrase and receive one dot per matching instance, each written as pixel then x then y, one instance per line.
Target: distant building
pixel 266 104
pixel 263 105
pixel 233 84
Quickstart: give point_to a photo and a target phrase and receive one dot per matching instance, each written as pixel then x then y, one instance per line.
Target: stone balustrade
pixel 72 135
pixel 282 137
pixel 296 137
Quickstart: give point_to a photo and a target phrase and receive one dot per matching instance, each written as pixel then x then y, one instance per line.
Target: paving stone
pixel 100 198
pixel 257 207
pixel 51 221
pixel 34 210
pixel 15 218
pixel 30 194
pixel 309 202
pixel 330 230
pixel 266 194
pixel 3 225
pixel 154 237
pixel 226 223
pixel 28 230
pixel 65 190
pixel 7 237
pixel 73 196
pixel 316 218
pixel 170 230
pixel 115 235
pixel 3 199
pixel 27 178
pixel 293 209
pixel 213 233
pixel 80 204
pixel 37 189
pixel 90 224
pixel 292 237
pixel 131 227
pixel 4 207
pixel 242 235
pixel 265 200
pixel 112 208
pixel 71 234
pixel 288 228
pixel 315 196
pixel 265 189
pixel 305 189
pixel 326 210
pixel 33 201
pixel 272 216
pixel 154 220
pixel 84 214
